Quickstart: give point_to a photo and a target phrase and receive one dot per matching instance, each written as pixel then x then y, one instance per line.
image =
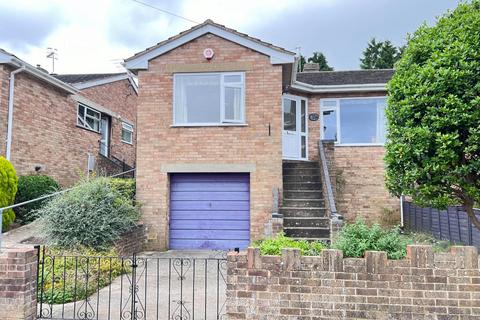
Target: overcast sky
pixel 95 35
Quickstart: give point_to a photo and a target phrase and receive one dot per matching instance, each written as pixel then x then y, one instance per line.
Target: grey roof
pixel 330 78
pixel 79 78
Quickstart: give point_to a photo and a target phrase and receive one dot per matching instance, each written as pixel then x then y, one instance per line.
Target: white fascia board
pixel 99 82
pixel 276 57
pixel 304 87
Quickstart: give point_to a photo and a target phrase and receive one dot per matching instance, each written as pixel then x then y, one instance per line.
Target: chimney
pixel 311 67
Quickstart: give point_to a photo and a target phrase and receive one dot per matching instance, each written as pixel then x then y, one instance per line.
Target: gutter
pixel 11 97
pixel 308 88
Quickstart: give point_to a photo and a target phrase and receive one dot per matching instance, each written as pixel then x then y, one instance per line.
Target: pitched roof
pixel 353 77
pixel 11 59
pixel 79 78
pixel 137 61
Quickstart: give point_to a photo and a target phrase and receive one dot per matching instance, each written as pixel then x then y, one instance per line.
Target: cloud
pixel 28 27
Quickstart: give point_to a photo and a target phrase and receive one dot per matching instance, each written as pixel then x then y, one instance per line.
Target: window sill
pixel 209 125
pixel 126 142
pixel 98 132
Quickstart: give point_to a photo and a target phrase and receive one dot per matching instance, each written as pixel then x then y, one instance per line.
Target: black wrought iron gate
pixel 131 288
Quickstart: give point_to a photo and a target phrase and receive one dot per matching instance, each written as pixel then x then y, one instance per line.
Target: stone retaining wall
pixel 425 285
pixel 132 241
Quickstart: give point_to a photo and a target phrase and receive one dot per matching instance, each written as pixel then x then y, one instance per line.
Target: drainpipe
pixel 10 111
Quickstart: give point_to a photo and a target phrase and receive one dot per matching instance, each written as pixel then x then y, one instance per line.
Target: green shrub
pixel 356 238
pixel 125 186
pixel 274 246
pixel 93 214
pixel 8 189
pixel 31 187
pixel 58 279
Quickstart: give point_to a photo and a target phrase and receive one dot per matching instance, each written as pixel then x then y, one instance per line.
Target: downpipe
pixel 11 97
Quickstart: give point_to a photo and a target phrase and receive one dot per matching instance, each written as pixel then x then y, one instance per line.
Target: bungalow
pixel 65 125
pixel 228 136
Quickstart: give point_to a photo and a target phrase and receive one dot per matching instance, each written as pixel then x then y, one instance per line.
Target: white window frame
pixel 223 85
pixel 129 129
pixel 336 108
pixel 85 125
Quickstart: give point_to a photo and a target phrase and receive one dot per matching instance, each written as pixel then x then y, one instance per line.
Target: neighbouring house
pixel 228 138
pixel 65 125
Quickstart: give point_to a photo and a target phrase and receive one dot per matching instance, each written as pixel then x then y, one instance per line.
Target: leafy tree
pixel 319 58
pixel 433 114
pixel 380 55
pixel 8 189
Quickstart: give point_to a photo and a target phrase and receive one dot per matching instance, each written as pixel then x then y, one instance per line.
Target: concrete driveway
pixel 170 285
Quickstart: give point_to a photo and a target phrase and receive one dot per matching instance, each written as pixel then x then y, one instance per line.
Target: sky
pixel 96 35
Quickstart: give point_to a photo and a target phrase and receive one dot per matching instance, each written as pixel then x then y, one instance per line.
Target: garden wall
pixel 132 241
pixel 422 286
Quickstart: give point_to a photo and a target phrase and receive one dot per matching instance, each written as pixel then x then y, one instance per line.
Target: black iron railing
pixel 130 288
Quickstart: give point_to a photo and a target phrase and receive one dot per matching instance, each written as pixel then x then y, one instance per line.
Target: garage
pixel 209 210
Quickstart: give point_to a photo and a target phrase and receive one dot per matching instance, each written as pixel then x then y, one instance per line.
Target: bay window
pixel 354 121
pixel 209 98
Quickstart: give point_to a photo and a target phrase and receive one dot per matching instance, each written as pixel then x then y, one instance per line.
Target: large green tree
pixel 320 58
pixel 433 114
pixel 380 55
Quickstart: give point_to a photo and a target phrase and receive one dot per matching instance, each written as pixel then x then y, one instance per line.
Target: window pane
pixel 233 103
pixel 127 126
pixel 232 78
pixel 289 115
pixel 329 103
pixel 127 136
pixel 304 146
pixel 93 123
pixel 197 99
pixel 92 113
pixel 329 125
pixel 81 111
pixel 362 120
pixel 303 109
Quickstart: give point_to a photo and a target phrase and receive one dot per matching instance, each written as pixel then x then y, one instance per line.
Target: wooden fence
pixel 451 224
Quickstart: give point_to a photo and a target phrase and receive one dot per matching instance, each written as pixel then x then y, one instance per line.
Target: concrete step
pixel 300 164
pixel 312 233
pixel 297 186
pixel 308 222
pixel 291 212
pixel 301 171
pixel 301 178
pixel 303 203
pixel 302 194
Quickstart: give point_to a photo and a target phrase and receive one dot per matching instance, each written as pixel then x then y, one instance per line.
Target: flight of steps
pixel 303 208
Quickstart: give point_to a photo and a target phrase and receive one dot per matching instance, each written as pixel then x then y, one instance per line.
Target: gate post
pixel 133 290
pixel 18 266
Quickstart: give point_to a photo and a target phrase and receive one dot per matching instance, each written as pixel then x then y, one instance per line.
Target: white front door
pixel 294 134
pixel 105 132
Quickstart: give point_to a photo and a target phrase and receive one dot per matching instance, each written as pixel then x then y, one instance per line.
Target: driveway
pixel 170 285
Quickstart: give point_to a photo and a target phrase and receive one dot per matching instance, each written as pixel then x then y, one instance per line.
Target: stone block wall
pixel 425 285
pixel 18 275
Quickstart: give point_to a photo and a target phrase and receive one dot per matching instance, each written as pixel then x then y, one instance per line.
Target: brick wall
pixel 425 285
pixel 18 275
pixel 131 242
pixel 159 144
pixel 121 98
pixel 44 130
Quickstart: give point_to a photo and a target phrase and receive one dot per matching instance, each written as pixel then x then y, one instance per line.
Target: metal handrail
pixel 327 181
pixel 45 197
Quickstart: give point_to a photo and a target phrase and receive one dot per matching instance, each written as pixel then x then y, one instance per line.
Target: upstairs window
pixel 209 98
pixel 127 133
pixel 88 118
pixel 354 121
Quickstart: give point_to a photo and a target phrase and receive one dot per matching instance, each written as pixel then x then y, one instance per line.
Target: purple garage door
pixel 209 210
